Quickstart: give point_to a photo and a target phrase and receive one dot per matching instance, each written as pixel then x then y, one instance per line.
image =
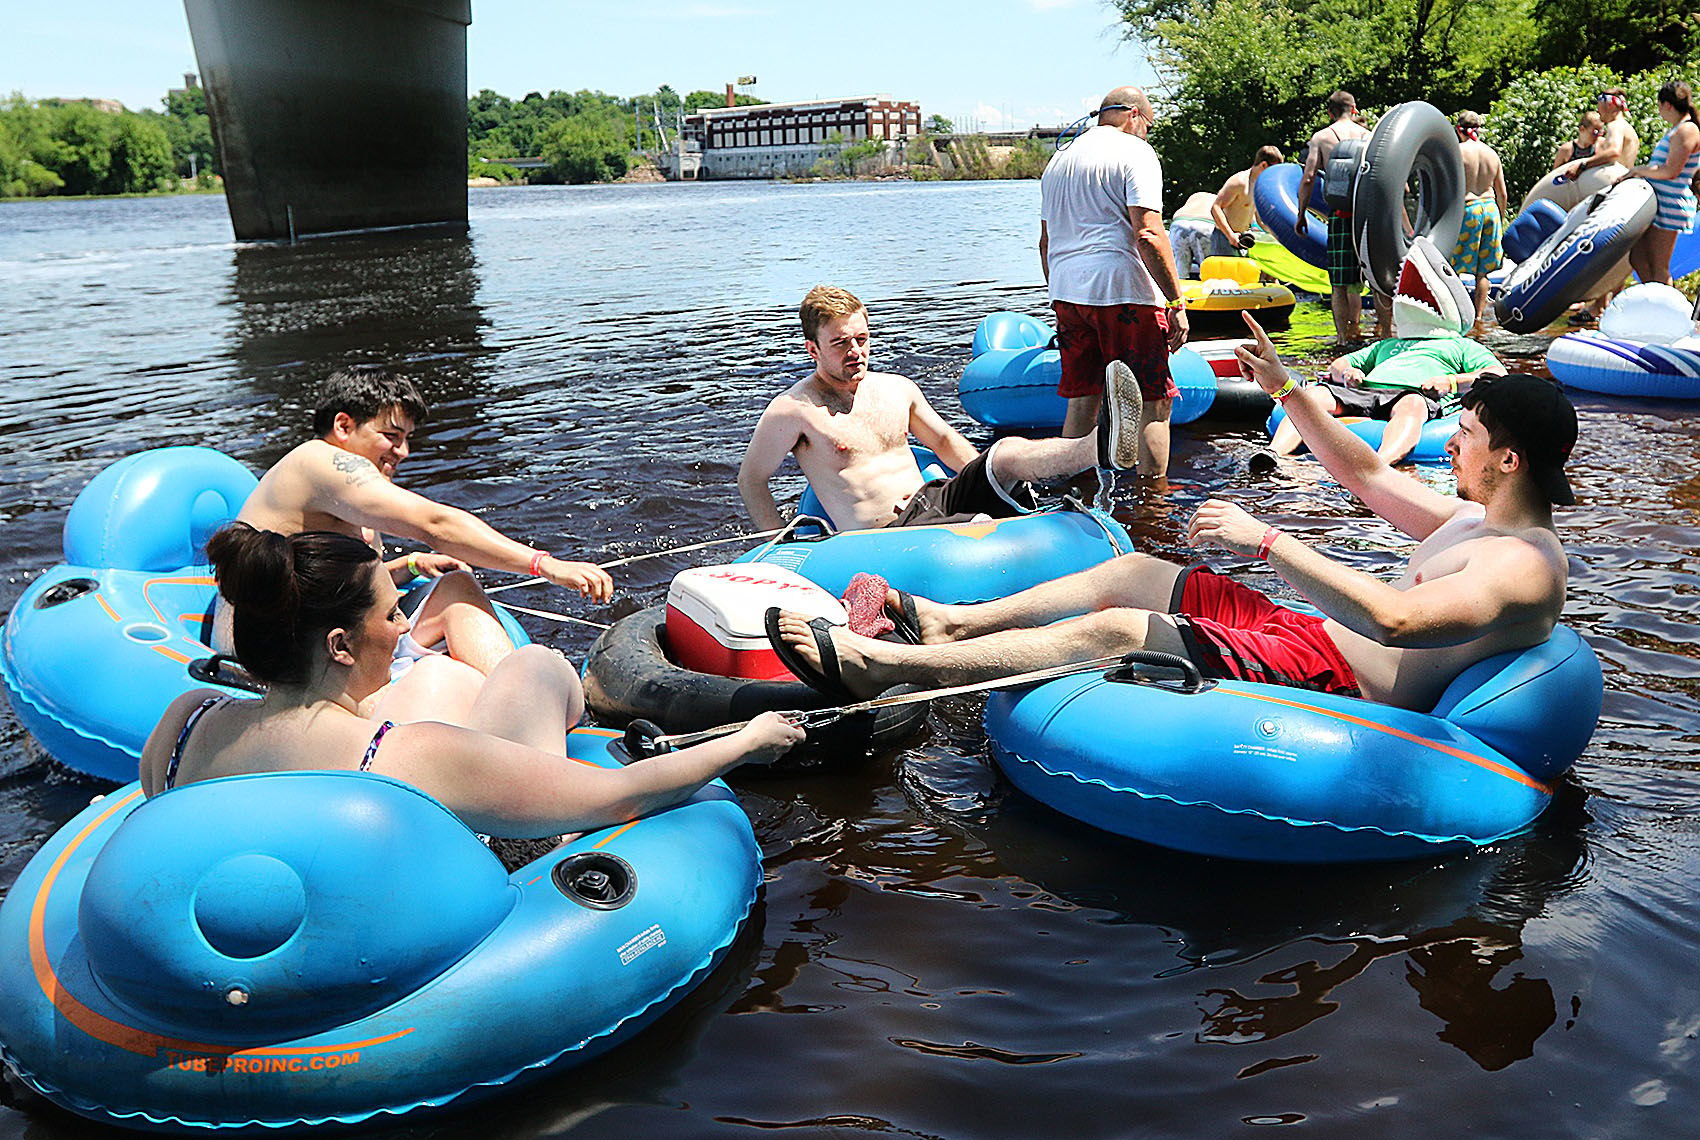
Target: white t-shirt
pixel 1085 192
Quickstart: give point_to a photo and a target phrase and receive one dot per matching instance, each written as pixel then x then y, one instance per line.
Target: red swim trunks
pixel 1233 631
pixel 1090 336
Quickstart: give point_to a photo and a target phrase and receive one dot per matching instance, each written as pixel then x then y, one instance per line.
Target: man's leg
pixel 1154 438
pixel 1383 314
pixel 1017 459
pixel 1081 419
pixel 1132 581
pixel 1348 312
pixel 457 613
pixel 869 666
pixel 1404 427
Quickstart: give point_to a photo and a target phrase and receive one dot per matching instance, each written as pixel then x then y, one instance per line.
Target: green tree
pixel 81 146
pixel 1623 35
pixel 140 156
pixel 939 125
pixel 583 149
pixel 190 131
pixel 25 141
pixel 1242 73
pixel 1027 160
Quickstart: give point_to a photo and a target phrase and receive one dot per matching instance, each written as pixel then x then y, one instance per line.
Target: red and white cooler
pixel 1219 354
pixel 714 617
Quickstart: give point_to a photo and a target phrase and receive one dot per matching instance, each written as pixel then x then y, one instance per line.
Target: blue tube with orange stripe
pixel 295 949
pixel 98 646
pixel 1264 772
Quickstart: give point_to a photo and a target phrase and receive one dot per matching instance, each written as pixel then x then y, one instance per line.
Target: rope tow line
pixel 652 554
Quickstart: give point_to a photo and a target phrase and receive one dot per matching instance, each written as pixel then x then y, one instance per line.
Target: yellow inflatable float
pixel 1230 286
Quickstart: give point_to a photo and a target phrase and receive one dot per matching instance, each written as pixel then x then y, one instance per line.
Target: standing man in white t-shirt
pixel 1111 272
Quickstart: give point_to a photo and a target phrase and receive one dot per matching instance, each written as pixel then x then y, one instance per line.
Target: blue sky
pixel 984 65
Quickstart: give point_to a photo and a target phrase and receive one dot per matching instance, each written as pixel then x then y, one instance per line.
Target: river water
pixel 935 955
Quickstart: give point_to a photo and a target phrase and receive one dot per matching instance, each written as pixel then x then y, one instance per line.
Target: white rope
pixel 652 554
pixel 551 616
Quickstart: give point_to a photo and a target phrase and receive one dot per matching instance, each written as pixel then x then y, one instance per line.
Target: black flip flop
pixel 904 617
pixel 827 679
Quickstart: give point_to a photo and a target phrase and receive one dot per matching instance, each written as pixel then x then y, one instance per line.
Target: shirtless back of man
pixel 1323 142
pixel 1481 167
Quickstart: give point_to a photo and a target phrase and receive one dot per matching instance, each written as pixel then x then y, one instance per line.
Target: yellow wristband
pixel 1280 394
pixel 413 566
pixel 1177 303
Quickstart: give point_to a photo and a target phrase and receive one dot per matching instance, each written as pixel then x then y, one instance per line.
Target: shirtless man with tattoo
pixel 342 481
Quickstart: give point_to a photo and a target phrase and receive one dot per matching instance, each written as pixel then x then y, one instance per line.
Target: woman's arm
pixel 502 788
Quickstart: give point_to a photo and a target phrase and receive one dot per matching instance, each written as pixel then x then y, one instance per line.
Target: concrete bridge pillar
pixel 336 114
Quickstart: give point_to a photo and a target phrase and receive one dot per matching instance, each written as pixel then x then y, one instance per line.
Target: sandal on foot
pixel 826 679
pixel 904 618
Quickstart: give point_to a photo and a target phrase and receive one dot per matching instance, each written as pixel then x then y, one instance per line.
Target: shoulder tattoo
pixel 357 468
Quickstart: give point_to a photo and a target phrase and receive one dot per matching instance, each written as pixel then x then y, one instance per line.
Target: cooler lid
pixel 732 599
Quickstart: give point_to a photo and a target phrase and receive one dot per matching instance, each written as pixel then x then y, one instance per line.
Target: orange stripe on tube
pixel 1506 770
pixel 103 1028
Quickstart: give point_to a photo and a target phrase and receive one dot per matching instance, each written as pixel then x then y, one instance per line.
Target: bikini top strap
pixel 183 738
pixel 372 748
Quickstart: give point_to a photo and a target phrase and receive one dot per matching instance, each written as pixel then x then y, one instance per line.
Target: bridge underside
pixel 335 115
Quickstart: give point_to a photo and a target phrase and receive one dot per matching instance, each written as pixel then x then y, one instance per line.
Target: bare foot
pixel 854 665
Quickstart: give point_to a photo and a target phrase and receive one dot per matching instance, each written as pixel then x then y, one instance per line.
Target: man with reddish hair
pixel 849 429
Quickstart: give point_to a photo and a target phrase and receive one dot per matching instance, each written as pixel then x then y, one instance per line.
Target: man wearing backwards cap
pixel 1488 576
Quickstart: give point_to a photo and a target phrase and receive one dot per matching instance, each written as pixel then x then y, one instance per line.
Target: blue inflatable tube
pixel 1574 258
pixel 1431 445
pixel 1530 228
pixel 957 562
pixel 1011 383
pixel 1262 772
pixel 98 646
pixel 1007 330
pixel 333 948
pixel 1591 362
pixel 1276 200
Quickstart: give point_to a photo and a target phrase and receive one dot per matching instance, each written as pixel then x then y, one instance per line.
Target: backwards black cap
pixel 1538 417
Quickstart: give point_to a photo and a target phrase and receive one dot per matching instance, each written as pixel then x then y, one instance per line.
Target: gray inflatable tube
pixel 628 676
pixel 1411 139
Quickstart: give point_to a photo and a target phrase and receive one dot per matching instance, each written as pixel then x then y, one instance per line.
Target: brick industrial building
pixel 770 140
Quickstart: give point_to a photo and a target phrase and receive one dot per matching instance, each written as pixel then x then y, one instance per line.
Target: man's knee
pixel 1120 629
pixel 1410 406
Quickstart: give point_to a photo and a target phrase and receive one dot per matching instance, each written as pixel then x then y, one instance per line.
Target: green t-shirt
pixel 1396 363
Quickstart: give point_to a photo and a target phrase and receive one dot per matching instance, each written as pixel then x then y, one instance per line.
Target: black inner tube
pixel 1412 140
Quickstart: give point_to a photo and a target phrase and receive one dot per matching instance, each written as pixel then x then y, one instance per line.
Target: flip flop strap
pixel 822 629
